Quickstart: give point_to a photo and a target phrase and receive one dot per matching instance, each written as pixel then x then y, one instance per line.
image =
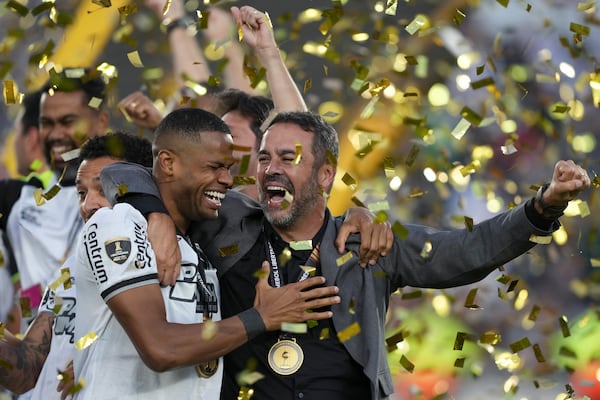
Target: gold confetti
pixel 460 340
pixel 535 311
pixel 246 392
pixel 379 206
pixel 344 259
pixel 458 17
pixel 351 306
pixel 519 345
pixel 95 103
pixel 284 257
pixel 134 59
pixel 298 155
pixel 348 332
pixel 360 154
pixel 349 181
pixel 65 275
pixel 307 85
pixel 332 16
pixel 244 163
pixel 380 217
pixel 412 155
pixel 389 167
pixel 512 286
pixel 324 334
pixel 584 209
pixel 294 327
pixel 391 343
pixel 308 270
pixel 490 337
pixel 102 3
pixel 415 294
pixel 410 367
pixel 482 83
pixel 10 92
pixel 540 239
pixel 17 7
pixel 426 250
pixel 504 3
pixel 417 23
pixel 122 189
pixel 302 245
pixel 2 326
pixel 391 7
pixel 86 341
pixel 240 32
pixel 469 223
pixel 357 202
pixel 470 300
pixel 579 29
pixel 461 128
pixel 564 326
pixel 537 351
pixel 228 250
pixel 209 330
pixel 471 116
pixel 25 304
pixel 595 262
pixel 508 149
pixel 459 362
pixel 400 230
pixel 244 180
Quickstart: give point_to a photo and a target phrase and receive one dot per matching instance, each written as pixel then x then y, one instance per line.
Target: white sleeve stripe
pixel 129 284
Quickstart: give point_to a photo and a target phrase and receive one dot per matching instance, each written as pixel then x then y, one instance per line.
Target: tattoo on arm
pixel 21 364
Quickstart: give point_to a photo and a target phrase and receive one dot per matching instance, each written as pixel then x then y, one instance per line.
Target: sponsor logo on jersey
pixel 142 257
pixel 118 249
pixel 94 253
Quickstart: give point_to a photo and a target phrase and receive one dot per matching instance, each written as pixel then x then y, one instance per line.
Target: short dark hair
pixel 120 145
pixel 88 80
pixel 256 108
pixel 187 123
pixel 325 145
pixel 31 110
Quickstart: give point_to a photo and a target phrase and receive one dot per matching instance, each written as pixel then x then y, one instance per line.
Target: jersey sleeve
pixel 117 250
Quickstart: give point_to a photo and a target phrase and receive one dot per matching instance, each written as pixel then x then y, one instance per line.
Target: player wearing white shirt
pixel 48 344
pixel 115 256
pixel 122 305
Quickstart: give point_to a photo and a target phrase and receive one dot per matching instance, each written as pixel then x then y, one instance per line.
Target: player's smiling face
pixel 89 189
pixel 204 176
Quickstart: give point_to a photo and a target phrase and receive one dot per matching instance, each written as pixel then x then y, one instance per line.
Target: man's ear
pixel 104 120
pixel 165 160
pixel 326 176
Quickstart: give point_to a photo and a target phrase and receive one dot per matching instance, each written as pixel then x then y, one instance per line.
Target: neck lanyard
pixel 274 267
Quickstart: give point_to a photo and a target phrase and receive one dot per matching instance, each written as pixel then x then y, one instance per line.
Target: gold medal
pixel 207 369
pixel 286 357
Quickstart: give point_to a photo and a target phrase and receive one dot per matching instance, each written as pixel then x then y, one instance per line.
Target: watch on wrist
pixel 183 22
pixel 548 211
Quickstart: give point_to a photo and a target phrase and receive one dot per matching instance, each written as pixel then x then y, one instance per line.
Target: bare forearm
pixel 176 345
pixel 22 360
pixel 234 74
pixel 286 95
pixel 188 59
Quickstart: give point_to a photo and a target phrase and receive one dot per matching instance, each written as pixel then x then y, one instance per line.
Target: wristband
pixel 253 322
pixel 548 212
pixel 178 23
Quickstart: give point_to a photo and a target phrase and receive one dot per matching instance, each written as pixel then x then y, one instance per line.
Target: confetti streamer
pixel 302 245
pixel 294 327
pixel 519 345
pixel 86 341
pixel 349 332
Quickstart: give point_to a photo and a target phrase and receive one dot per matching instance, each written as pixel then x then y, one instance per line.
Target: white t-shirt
pixel 43 236
pixel 62 302
pixel 115 256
